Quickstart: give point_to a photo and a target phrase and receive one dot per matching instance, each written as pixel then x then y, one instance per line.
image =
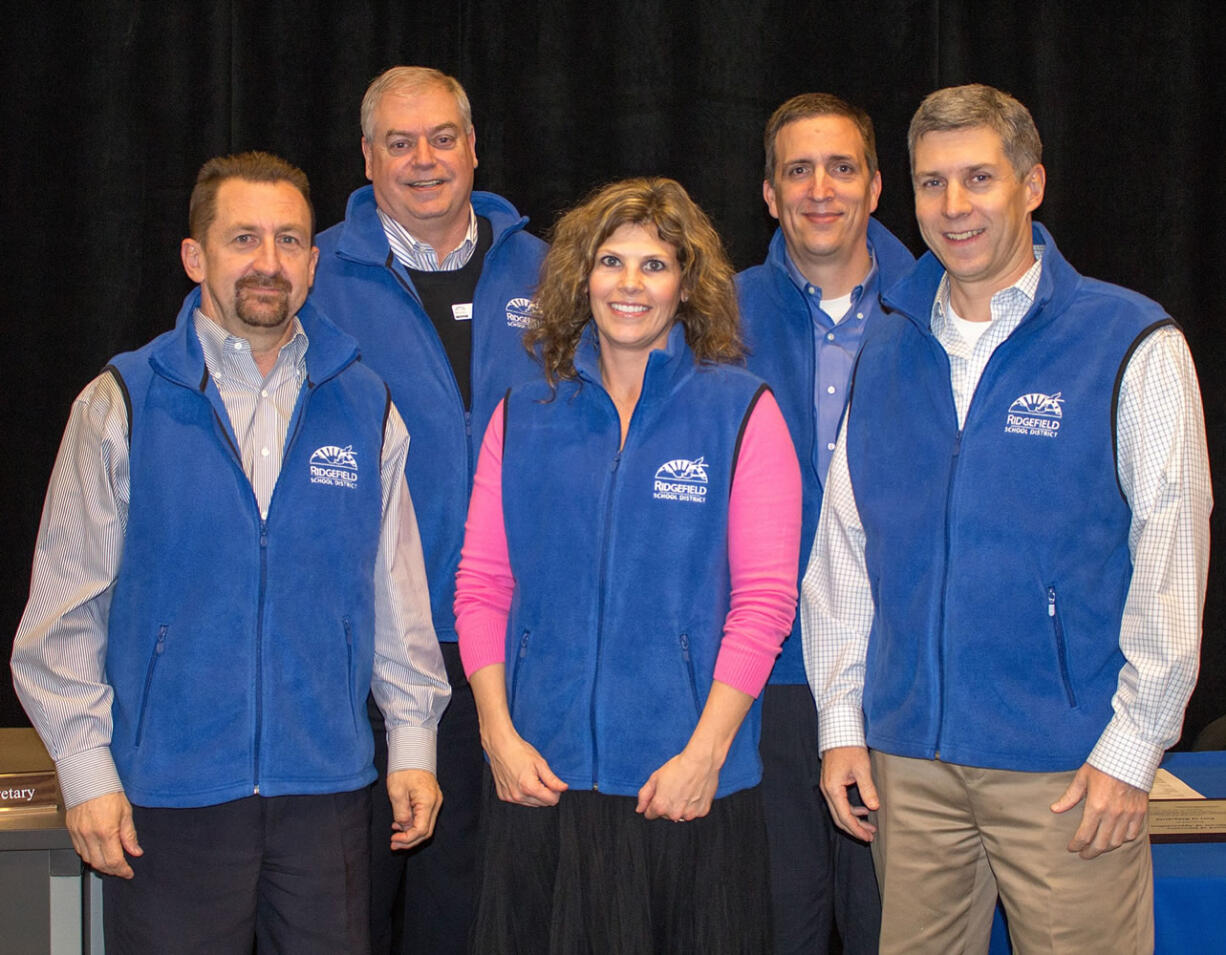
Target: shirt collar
pixel 222 350
pixel 804 284
pixel 412 253
pixel 1025 287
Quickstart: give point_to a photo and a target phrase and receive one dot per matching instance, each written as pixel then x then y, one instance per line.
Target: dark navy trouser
pixel 288 871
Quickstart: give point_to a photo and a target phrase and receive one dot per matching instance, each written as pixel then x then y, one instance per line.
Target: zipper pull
pixel 1051 601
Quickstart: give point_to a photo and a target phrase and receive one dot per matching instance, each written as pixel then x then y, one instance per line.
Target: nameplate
pixel 28 792
pixel 1187 820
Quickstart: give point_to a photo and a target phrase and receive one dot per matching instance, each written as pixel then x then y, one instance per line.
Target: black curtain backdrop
pixel 111 107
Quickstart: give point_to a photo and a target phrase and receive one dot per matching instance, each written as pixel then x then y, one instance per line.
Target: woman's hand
pixel 521 774
pixel 682 789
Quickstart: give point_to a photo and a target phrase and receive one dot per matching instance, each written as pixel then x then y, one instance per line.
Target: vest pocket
pixel 688 660
pixel 1061 648
pixel 158 647
pixel 516 666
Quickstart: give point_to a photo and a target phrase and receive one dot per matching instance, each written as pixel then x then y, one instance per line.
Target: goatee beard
pixel 258 312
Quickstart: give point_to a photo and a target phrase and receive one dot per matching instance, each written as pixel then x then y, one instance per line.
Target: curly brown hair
pixel 709 313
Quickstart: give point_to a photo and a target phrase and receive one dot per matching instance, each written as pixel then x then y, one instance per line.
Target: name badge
pixel 462 311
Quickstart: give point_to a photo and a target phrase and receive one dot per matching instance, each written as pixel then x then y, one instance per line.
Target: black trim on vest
pixel 506 409
pixel 127 398
pixel 387 413
pixel 1115 395
pixel 740 432
pixel 400 278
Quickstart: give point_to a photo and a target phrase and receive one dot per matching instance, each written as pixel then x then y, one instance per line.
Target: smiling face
pixel 635 290
pixel 822 193
pixel 974 209
pixel 420 162
pixel 256 263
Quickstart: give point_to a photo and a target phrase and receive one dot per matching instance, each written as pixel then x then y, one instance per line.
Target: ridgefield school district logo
pixel 335 467
pixel 681 480
pixel 520 313
pixel 1035 414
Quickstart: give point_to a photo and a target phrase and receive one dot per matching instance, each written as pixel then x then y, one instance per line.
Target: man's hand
pixel 102 831
pixel 842 768
pixel 1114 811
pixel 415 799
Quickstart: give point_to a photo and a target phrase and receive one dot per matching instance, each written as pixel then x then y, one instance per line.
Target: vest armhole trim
pixel 1115 394
pixel 127 397
pixel 740 433
pixel 387 413
pixel 506 408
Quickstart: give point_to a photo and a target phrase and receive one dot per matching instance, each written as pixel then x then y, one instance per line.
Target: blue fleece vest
pixel 365 292
pixel 779 333
pixel 240 649
pixel 998 554
pixel 621 567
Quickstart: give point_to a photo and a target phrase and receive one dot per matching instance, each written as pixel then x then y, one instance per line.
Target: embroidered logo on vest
pixel 335 467
pixel 521 313
pixel 1035 414
pixel 681 480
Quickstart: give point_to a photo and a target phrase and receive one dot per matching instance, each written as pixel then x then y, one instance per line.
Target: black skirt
pixel 592 875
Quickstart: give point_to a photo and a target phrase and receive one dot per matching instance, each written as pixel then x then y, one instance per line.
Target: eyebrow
pixel 975 167
pixel 437 129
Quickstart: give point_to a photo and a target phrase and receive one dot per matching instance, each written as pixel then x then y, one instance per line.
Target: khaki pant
pixel 949 838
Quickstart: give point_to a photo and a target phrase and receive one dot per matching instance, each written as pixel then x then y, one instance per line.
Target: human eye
pixel 608 261
pixel 980 178
pixel 290 239
pixel 398 147
pixel 655 265
pixel 931 184
pixel 244 238
pixel 798 171
pixel 844 169
pixel 445 140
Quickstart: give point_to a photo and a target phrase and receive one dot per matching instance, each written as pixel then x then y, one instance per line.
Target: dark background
pixel 108 109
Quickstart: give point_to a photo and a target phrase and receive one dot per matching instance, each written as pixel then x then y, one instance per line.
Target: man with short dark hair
pixel 1005 592
pixel 227 564
pixel 434 280
pixel 805 312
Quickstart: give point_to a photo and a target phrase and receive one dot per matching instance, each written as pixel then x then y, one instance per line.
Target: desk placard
pixel 28 792
pixel 1187 820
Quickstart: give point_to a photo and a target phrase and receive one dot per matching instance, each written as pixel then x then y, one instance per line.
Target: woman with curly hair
pixel 627 578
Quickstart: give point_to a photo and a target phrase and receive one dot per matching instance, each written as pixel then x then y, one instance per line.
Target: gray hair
pixel 411 79
pixel 963 107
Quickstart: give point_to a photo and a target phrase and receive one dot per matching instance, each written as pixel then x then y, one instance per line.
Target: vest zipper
pixel 602 583
pixel 158 647
pixel 949 497
pixel 519 665
pixel 259 659
pixel 1061 647
pixel 689 669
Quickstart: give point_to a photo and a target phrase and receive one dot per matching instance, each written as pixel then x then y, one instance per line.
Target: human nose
pixel 423 153
pixel 821 187
pixel 631 279
pixel 954 203
pixel 267 259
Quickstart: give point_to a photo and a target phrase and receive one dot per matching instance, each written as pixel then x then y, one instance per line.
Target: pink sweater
pixel 763 551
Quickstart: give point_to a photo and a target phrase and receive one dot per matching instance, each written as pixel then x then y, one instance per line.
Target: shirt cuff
pixel 87 775
pixel 841 725
pixel 1132 760
pixel 411 747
